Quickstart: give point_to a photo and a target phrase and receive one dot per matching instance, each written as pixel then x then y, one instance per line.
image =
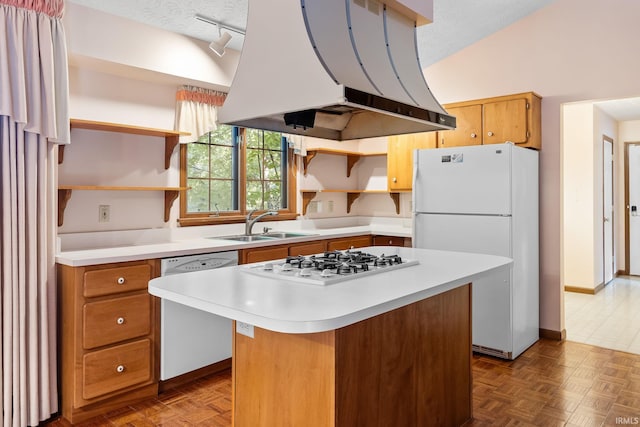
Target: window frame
pixel 211 218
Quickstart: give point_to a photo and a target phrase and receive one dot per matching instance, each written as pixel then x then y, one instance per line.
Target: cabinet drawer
pixel 116 368
pixel 348 242
pixel 114 280
pixel 310 248
pixel 388 241
pixel 264 254
pixel 118 319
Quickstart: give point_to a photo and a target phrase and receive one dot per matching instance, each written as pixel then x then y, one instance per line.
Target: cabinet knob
pixel 490 133
pixel 120 369
pixel 473 135
pixel 390 242
pixel 121 280
pixel 120 321
pixel 394 179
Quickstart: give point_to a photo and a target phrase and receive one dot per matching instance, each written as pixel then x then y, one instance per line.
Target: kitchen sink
pixel 284 235
pixel 244 238
pixel 273 235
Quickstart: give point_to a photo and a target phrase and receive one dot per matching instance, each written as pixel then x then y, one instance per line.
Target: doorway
pixel 632 203
pixel 608 252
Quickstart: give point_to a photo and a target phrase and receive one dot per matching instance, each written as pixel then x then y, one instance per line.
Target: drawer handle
pixel 120 369
pixel 120 320
pixel 473 135
pixel 121 280
pixel 490 133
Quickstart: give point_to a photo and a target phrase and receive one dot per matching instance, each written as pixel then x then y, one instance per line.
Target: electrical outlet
pixel 244 329
pixel 313 207
pixel 104 213
pixel 330 206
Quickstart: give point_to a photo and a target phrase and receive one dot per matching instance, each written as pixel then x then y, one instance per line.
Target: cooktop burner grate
pixel 329 267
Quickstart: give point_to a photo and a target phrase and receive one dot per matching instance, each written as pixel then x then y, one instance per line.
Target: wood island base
pixel 410 366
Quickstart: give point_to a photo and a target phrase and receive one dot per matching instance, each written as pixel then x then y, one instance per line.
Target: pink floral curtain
pixel 33 118
pixel 197 111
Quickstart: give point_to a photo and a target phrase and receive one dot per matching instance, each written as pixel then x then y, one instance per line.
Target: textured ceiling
pixel 457 23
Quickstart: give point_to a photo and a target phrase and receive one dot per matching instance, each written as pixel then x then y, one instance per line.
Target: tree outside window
pixel 232 171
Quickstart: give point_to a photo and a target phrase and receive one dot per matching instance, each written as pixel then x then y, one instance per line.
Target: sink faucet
pixel 248 225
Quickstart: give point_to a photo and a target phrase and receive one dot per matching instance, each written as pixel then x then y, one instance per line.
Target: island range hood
pixel 333 69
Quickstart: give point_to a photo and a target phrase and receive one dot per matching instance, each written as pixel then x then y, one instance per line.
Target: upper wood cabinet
pixel 468 127
pixel 400 158
pixel 515 118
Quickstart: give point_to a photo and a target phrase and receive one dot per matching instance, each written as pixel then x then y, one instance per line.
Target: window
pixel 232 171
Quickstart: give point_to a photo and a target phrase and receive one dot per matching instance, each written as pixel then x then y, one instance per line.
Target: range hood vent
pixel 333 69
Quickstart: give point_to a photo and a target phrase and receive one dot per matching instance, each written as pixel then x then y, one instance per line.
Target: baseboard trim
pixel 580 290
pixel 621 273
pixel 194 375
pixel 553 335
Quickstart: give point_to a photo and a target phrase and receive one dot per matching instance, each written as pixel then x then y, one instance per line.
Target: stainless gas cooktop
pixel 329 267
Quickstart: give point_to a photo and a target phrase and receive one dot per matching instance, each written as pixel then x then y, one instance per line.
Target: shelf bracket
pixel 170 142
pixel 63 198
pixel 170 196
pixel 396 201
pixel 351 197
pixel 307 159
pixel 352 159
pixel 307 197
pixel 61 153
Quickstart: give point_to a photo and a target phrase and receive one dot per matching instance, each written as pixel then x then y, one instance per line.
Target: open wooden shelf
pixel 170 136
pixel 352 157
pixel 64 194
pixel 352 195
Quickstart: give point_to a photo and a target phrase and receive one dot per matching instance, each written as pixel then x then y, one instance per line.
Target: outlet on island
pixel 104 213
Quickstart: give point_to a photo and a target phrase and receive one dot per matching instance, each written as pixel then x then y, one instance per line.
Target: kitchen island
pixel 388 349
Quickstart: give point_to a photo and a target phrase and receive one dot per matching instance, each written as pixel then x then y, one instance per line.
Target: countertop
pixel 207 244
pixel 290 307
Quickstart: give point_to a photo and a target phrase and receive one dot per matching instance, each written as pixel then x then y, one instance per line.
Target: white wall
pixel 604 125
pixel 578 158
pixel 571 50
pixel 628 131
pixel 583 127
pixel 125 72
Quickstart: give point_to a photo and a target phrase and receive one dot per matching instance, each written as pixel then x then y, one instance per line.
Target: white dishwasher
pixel 189 338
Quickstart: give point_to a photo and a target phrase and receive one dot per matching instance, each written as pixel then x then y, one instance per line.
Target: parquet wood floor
pixel 551 384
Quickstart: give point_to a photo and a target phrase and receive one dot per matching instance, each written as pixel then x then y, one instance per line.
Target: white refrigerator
pixel 484 199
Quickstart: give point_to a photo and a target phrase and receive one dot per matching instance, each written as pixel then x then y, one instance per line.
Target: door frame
pixel 606 139
pixel 627 241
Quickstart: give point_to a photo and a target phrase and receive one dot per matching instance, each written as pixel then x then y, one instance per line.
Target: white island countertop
pixel 290 307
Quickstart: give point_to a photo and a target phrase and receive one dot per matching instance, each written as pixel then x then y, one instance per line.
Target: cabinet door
pixel 264 254
pixel 400 157
pixel 348 242
pixel 468 129
pixel 307 248
pixel 505 121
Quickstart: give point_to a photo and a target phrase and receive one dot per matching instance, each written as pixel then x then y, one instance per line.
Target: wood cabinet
pixel 108 337
pixel 247 256
pixel 391 241
pixel 400 158
pixel 308 248
pixel 515 118
pixel 268 253
pixel 468 127
pixel 407 367
pixel 343 243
